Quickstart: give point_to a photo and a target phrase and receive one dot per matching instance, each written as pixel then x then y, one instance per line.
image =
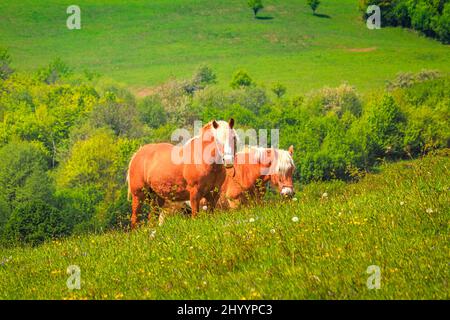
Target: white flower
pixel 295 219
pixel 402 203
pixel 294 199
pixel 272 231
pixel 205 208
pixel 324 195
pixel 429 210
pixel 161 219
pixel 251 220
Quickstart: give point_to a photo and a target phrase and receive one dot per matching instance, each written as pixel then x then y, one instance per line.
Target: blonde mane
pixel 284 161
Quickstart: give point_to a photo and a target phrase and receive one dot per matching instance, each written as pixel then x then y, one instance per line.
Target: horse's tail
pixel 128 177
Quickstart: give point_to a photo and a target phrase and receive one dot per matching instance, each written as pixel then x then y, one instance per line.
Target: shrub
pixel 121 117
pixel 335 100
pixel 256 6
pixel 5 64
pixel 33 222
pixel 56 70
pixel 279 90
pixel 314 4
pixel 386 123
pixel 241 79
pixel 152 112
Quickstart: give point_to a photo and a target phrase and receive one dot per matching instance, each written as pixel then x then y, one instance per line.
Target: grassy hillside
pixel 143 43
pixel 396 219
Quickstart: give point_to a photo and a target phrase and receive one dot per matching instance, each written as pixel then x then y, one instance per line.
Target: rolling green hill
pixel 319 246
pixel 144 43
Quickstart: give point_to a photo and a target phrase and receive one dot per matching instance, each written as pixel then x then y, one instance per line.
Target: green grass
pixel 396 219
pixel 145 43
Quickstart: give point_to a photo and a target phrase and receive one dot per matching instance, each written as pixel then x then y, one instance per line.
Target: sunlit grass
pixel 145 43
pixel 397 219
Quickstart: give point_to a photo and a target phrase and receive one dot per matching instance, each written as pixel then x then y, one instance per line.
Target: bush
pixel 279 90
pixel 241 79
pixel 152 112
pixel 34 222
pixel 55 71
pixel 5 64
pixel 121 117
pixel 28 211
pixel 335 100
pixel 386 124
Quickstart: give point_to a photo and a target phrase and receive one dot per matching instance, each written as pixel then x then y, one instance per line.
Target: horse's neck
pixel 197 146
pixel 247 175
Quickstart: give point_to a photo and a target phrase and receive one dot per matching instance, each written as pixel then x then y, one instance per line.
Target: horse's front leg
pixel 195 198
pixel 136 210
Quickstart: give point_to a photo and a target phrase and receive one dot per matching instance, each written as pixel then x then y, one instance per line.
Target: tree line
pixel 66 138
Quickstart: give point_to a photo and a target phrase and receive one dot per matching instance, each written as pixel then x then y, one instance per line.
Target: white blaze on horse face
pixel 225 137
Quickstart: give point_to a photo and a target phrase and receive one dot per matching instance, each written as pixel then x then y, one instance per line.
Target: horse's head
pixel 225 139
pixel 283 172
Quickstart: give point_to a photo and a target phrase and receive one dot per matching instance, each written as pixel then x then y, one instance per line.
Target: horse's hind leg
pixel 136 206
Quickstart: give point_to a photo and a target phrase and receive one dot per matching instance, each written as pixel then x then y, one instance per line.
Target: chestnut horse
pixel 253 169
pixel 196 170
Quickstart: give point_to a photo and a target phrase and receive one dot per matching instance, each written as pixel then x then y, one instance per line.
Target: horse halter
pixel 222 156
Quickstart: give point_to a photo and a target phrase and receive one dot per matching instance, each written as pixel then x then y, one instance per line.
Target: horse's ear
pixel 291 150
pixel 231 123
pixel 215 124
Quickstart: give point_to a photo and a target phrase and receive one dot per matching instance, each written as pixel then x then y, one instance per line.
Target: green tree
pixel 56 70
pixel 5 64
pixel 256 6
pixel 386 127
pixel 118 114
pixel 152 112
pixel 279 90
pixel 204 76
pixel 314 4
pixel 18 162
pixel 241 79
pixel 28 208
pixel 33 222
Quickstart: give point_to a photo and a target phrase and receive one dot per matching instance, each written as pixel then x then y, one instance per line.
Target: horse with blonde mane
pixel 255 167
pixel 195 170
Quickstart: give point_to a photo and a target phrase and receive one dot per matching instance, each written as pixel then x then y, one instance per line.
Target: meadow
pixel 318 247
pixel 366 110
pixel 144 44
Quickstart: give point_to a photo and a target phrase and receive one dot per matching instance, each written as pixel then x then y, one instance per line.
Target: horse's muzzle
pixel 287 192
